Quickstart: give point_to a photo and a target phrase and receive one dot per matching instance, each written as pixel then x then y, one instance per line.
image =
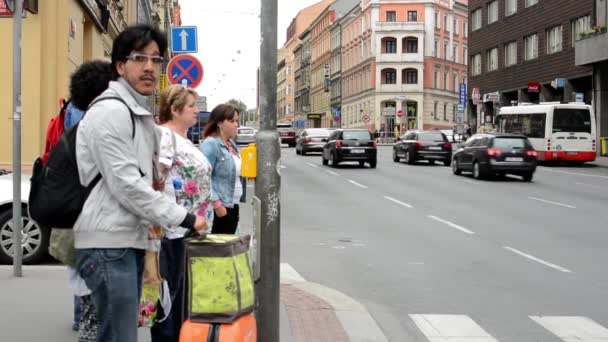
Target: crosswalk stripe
pixel 451 328
pixel 573 328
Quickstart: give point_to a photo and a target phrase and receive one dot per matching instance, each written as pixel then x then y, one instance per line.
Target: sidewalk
pixel 38 307
pixel 600 161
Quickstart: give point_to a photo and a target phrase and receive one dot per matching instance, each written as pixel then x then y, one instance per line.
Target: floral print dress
pixel 189 179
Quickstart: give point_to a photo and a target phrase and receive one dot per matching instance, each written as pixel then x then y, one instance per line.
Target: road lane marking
pixel 451 328
pixel 573 328
pixel 332 173
pixel 574 173
pixel 283 167
pixel 312 165
pixel 451 224
pixel 398 202
pixel 551 202
pixel 585 184
pixel 531 257
pixel 357 184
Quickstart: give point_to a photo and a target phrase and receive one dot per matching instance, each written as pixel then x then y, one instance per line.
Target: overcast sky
pixel 229 44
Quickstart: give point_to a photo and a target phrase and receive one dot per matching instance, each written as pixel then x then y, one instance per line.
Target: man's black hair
pixel 88 82
pixel 135 38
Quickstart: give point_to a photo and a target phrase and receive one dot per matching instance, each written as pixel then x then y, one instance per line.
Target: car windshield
pixel 245 131
pixel 571 120
pixel 510 143
pixel 318 132
pixel 432 137
pixel 356 135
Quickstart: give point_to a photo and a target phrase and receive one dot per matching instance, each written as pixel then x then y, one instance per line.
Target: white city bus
pixel 558 132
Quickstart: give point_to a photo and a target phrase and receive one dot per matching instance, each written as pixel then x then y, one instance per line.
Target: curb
pixel 359 325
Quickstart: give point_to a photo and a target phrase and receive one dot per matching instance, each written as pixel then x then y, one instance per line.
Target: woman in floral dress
pixel 187 174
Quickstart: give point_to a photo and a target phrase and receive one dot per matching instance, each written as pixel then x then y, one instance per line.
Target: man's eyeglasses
pixel 139 58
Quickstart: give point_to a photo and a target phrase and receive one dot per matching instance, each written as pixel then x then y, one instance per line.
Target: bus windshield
pixel 571 120
pixel 530 125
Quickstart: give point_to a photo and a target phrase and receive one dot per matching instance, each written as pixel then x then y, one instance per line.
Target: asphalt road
pixel 438 257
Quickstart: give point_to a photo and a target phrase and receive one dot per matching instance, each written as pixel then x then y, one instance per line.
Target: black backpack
pixel 56 195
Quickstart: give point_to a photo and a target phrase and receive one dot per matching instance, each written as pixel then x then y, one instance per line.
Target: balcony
pixel 400 57
pixel 395 26
pixel 591 49
pixel 400 88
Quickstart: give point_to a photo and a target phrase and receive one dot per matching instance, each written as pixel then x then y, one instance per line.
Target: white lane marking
pixel 357 184
pixel 289 275
pixel 531 257
pixel 451 224
pixel 573 328
pixel 312 165
pixel 283 167
pixel 332 173
pixel 551 202
pixel 398 202
pixel 447 328
pixel 585 184
pixel 573 173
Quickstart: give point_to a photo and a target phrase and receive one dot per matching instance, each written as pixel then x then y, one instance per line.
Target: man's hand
pixel 221 211
pixel 200 225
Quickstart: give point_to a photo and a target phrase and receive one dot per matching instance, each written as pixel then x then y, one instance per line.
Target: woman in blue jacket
pixel 224 155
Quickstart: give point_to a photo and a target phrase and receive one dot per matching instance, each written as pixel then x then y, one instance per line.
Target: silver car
pixel 245 136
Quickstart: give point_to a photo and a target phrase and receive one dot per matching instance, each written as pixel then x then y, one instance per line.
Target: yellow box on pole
pixel 250 159
pixel 603 150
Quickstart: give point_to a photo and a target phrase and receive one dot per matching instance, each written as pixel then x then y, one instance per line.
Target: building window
pixel 554 39
pixel 476 16
pixel 454 110
pixel 445 23
pixel 412 15
pixel 445 80
pixel 492 59
pixel 411 76
pixel 580 25
pixel 445 50
pixel 465 29
pixel 436 79
pixel 437 20
pixel 465 56
pixel 411 45
pixel 493 11
pixel 455 83
pixel 510 7
pixel 531 2
pixel 391 16
pixel 389 76
pixel 476 62
pixel 436 50
pixel 390 45
pixel 531 47
pixel 511 54
pixel 455 54
pixel 445 112
pixel 288 89
pixel 435 116
pixel 455 26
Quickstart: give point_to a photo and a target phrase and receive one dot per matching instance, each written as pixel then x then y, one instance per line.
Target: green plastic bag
pixel 219 286
pixel 61 246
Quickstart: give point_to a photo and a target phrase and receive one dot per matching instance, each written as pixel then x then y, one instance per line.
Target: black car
pixel 287 134
pixel 423 145
pixel 496 154
pixel 350 145
pixel 311 140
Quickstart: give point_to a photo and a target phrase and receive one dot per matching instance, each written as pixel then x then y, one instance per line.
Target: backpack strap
pixel 120 99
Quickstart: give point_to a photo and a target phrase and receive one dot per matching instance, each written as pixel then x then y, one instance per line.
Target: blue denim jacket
pixel 223 176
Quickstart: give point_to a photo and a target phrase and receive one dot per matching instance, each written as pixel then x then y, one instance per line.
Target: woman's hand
pixel 221 211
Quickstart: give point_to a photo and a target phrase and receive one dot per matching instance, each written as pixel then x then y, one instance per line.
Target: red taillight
pixel 419 144
pixel 532 153
pixel 494 152
pixel 338 143
pixel 447 146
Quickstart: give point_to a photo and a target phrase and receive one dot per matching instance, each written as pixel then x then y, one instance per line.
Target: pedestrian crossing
pixel 462 328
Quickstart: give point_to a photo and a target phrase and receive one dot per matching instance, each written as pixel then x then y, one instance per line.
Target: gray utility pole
pixel 18 255
pixel 268 181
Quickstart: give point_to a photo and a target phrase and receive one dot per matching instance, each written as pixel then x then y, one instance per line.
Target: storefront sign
pixel 534 87
pixel 475 95
pixel 313 116
pixel 491 97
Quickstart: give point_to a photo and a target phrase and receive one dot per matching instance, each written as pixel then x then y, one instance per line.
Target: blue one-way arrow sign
pixel 184 39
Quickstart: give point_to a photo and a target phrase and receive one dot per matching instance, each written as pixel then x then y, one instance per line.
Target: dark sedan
pixel 423 145
pixel 311 140
pixel 496 154
pixel 350 145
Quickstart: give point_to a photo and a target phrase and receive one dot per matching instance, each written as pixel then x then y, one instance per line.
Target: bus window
pixel 530 125
pixel 571 120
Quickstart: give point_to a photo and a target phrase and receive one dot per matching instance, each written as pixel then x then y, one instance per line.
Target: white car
pixel 35 239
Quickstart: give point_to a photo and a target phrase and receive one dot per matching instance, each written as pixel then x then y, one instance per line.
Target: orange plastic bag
pixel 242 330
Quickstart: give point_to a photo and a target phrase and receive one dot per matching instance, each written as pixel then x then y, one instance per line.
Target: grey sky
pixel 229 44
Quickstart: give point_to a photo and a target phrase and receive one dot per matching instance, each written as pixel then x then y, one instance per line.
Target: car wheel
pixel 297 152
pixel 292 145
pixel 528 177
pixel 396 158
pixel 34 242
pixel 334 159
pixel 447 162
pixel 303 152
pixel 477 171
pixel 408 158
pixel 455 169
pixel 323 160
pixel 373 163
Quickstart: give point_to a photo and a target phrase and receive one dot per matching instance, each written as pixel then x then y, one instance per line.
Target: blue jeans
pixel 114 276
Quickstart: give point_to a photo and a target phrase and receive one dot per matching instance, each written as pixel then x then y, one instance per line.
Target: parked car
pixel 350 145
pixel 452 136
pixel 35 238
pixel 423 145
pixel 245 135
pixel 311 140
pixel 496 154
pixel 287 134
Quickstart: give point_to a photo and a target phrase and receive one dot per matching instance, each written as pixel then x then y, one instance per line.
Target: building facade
pixel 523 51
pixel 335 67
pixel 319 84
pixel 281 85
pixel 302 78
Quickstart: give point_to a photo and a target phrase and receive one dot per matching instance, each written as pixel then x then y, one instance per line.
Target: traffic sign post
pixel 185 70
pixel 184 39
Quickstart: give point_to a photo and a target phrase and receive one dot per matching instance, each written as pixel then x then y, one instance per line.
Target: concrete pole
pixel 18 255
pixel 268 181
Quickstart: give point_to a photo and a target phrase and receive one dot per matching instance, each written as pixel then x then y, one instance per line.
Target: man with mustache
pixel 118 141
